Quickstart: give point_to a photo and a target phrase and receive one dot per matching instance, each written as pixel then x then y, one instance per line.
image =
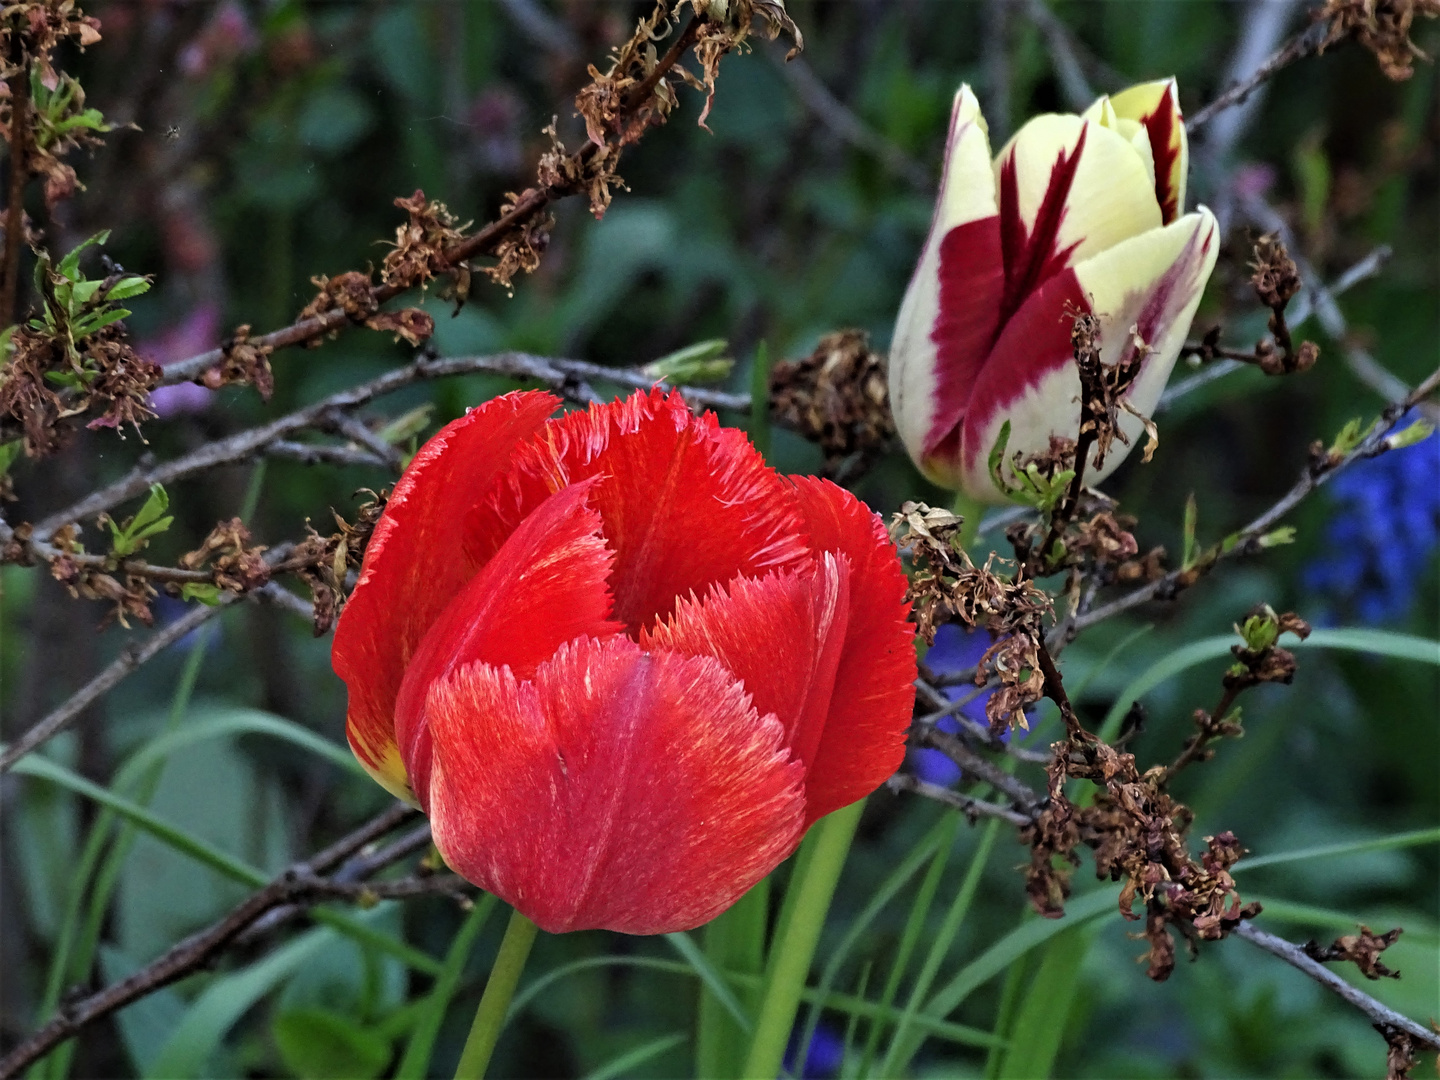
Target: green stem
pixel 789 966
pixel 734 941
pixel 495 1002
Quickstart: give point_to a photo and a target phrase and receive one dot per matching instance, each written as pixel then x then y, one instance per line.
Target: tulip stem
pixel 817 871
pixel 495 1002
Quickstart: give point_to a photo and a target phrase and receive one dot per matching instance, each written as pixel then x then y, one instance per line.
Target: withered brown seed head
pixel 837 397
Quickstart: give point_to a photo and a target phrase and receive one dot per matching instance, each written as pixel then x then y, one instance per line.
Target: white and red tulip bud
pixel 1077 215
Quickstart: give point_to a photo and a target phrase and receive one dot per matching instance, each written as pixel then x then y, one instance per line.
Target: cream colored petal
pixel 967 194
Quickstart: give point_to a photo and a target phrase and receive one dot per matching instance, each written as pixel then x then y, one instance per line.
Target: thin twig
pixel 317 454
pixel 1311 480
pixel 972 808
pixel 561 374
pixel 531 202
pixel 1306 43
pixel 131 658
pixel 298 883
pixel 974 765
pixel 1296 957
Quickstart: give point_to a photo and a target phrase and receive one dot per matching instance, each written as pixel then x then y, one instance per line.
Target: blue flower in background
pixel 1385 528
pixel 956 649
pixel 825 1057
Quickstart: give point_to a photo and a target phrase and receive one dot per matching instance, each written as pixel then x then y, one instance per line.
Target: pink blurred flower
pixel 195 333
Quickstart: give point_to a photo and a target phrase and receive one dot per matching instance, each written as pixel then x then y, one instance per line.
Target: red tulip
pixel 621 663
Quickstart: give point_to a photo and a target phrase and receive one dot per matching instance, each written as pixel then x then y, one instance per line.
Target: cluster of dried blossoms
pixel 1381 26
pixel 946 585
pixel 837 398
pixel 325 563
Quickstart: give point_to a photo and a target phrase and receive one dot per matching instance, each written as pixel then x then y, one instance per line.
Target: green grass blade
pixel 914 924
pixel 174 836
pixel 959 1034
pixel 223 1003
pixel 942 832
pixel 1028 935
pixel 1040 1021
pixel 626 1062
pixel 1354 847
pixel 734 941
pixel 940 947
pixel 710 975
pixel 416 1061
pixel 1380 642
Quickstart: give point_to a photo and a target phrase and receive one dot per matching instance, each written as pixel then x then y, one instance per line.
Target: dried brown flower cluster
pixel 1362 949
pixel 244 363
pixel 419 256
pixel 29 32
pixel 115 383
pixel 1381 26
pixel 1276 280
pixel 236 565
pixel 837 397
pixel 946 585
pixel 1138 834
pixel 324 563
pixel 87 582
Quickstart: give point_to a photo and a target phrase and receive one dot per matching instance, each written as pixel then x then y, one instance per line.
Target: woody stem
pixel 495 1002
pixel 15 206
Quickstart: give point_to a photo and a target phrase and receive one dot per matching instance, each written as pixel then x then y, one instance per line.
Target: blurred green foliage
pixel 272 140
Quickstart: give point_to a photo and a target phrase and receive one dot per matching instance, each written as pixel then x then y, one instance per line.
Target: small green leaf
pixel 1416 432
pixel 407 425
pixel 209 595
pixel 81 292
pixel 1351 435
pixel 155 505
pixel 8 453
pixel 702 362
pixel 127 287
pixel 98 321
pixel 70 265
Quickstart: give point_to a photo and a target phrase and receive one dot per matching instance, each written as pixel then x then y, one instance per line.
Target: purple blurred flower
pixel 1383 534
pixel 195 333
pixel 956 649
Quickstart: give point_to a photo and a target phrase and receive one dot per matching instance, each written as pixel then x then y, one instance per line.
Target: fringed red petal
pixel 621 790
pixel 415 564
pixel 686 504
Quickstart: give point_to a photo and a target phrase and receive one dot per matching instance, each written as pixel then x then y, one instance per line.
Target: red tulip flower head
pixel 619 662
pixel 1077 214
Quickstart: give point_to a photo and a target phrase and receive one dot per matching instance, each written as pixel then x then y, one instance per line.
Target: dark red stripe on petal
pixel 1161 127
pixel 972 280
pixel 1031 255
pixel 1033 344
pixel 1173 291
pixel 620 790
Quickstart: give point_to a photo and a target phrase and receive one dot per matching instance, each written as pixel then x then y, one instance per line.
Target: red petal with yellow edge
pixel 686 504
pixel 874 695
pixel 620 790
pixel 415 564
pixel 780 635
pixel 544 587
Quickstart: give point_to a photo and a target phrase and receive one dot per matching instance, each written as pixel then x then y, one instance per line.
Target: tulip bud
pixel 1078 215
